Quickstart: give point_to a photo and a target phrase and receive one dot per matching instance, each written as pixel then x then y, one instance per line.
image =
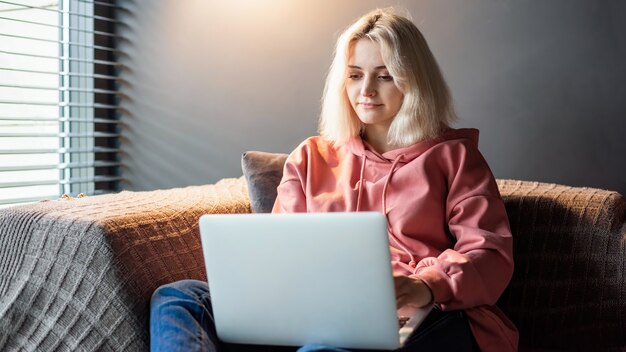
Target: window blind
pixel 58 106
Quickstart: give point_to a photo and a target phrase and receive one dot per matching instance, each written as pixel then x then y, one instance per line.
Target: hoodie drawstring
pixel 393 167
pixel 358 198
pixel 412 262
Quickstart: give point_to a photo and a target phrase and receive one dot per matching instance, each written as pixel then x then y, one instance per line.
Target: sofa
pixel 77 274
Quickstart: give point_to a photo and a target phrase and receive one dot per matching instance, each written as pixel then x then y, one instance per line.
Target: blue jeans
pixel 181 319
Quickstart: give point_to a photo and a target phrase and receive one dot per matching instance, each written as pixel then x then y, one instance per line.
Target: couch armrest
pixel 569 284
pixel 79 273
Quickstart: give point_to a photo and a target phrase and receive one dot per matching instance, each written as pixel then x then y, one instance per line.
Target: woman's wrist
pixel 426 293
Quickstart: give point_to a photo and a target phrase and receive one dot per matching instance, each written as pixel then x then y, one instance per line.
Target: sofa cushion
pixel 263 172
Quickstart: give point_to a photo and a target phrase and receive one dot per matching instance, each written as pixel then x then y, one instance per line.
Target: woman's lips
pixel 370 105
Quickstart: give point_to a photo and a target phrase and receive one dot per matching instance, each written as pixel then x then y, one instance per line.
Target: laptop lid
pixel 295 279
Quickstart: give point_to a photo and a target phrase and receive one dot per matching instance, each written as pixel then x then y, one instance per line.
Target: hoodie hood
pixel 359 147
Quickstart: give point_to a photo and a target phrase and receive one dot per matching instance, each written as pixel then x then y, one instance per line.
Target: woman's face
pixel 371 90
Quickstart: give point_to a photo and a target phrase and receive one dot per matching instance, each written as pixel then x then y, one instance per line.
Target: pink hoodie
pixel 447 222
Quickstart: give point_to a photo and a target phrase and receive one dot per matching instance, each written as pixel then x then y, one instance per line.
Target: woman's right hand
pixel 412 291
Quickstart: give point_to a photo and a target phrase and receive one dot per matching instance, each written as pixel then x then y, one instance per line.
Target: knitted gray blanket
pixel 78 274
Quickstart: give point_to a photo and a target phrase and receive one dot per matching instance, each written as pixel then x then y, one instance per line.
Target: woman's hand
pixel 412 291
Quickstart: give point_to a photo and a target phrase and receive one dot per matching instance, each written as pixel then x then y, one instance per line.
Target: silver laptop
pixel 295 279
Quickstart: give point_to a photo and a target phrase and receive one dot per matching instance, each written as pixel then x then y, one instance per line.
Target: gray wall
pixel 204 81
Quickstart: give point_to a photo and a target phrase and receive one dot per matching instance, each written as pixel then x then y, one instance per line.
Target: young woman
pixel 386 145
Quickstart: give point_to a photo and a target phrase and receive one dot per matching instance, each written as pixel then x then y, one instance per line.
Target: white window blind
pixel 58 126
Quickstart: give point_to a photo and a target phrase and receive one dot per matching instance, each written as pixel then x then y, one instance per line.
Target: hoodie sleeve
pixel 290 192
pixel 479 266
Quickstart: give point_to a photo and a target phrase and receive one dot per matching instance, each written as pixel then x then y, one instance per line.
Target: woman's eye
pixel 354 76
pixel 385 78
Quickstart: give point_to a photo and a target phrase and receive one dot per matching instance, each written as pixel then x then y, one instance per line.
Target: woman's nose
pixel 368 89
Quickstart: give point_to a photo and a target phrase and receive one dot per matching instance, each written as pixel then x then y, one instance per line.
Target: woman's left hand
pixel 412 291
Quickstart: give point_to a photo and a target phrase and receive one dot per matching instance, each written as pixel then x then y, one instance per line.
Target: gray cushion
pixel 263 172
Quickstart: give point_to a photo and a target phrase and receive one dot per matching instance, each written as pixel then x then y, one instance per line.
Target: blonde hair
pixel 426 110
